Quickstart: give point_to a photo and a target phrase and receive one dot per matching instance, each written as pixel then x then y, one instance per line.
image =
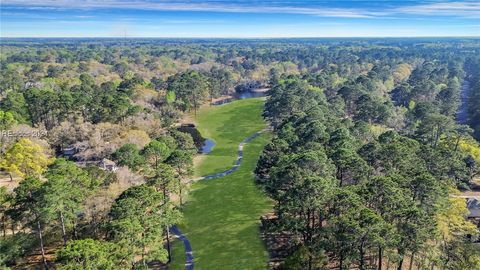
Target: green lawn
pixel 221 216
pixel 227 125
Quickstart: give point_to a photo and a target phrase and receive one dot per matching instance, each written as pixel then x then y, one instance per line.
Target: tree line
pixel 55 204
pixel 348 197
pixel 348 114
pixel 473 108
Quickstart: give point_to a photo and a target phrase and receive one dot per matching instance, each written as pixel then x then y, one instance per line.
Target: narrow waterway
pixel 462 114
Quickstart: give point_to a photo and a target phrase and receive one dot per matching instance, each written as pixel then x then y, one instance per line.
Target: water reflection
pixel 207 146
pixel 251 94
pixel 243 95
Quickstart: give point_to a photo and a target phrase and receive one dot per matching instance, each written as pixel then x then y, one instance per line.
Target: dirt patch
pixel 220 99
pixel 469 194
pixel 5 181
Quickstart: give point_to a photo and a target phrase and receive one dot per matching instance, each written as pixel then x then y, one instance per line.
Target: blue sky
pixel 235 18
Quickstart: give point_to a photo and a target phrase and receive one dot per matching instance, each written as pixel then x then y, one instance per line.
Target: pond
pixel 261 92
pixel 207 146
pixel 251 94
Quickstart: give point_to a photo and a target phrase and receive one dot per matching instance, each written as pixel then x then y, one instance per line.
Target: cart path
pixel 189 262
pixel 188 248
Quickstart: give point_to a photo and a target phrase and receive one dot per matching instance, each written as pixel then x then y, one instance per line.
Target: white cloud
pixel 189 6
pixel 454 9
pixel 463 9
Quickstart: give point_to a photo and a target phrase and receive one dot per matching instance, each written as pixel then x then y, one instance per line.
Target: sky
pixel 239 19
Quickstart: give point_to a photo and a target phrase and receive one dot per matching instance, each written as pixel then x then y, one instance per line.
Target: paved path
pixel 174 229
pixel 188 248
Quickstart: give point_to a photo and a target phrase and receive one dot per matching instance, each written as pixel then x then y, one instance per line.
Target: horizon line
pixel 233 37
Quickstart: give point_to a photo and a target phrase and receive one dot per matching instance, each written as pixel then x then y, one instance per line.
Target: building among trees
pixel 108 165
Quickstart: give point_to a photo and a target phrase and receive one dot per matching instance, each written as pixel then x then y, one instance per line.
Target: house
pixel 108 165
pixel 69 152
pixel 473 205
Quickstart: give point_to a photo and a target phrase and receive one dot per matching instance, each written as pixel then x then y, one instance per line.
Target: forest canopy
pixel 372 142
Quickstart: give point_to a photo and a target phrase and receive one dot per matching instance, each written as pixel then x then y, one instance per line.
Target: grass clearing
pixel 222 216
pixel 227 125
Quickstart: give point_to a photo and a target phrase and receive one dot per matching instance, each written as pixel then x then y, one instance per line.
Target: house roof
pixel 108 162
pixel 473 206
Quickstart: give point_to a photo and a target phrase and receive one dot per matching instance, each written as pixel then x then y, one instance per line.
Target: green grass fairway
pixel 221 216
pixel 227 125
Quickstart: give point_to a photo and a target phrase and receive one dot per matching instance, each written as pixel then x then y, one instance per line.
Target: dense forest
pixel 365 174
pixel 373 141
pixel 473 95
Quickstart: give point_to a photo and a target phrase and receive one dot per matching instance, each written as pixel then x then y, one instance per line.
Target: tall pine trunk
pixel 75 231
pixel 411 261
pixel 64 232
pixel 4 225
pixel 169 249
pixel 341 261
pixel 380 257
pixel 310 259
pixel 400 264
pixel 457 143
pixel 144 251
pixel 180 190
pixel 401 253
pixel 362 257
pixel 39 229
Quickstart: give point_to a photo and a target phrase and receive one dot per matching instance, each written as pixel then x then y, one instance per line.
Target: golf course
pixel 222 215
